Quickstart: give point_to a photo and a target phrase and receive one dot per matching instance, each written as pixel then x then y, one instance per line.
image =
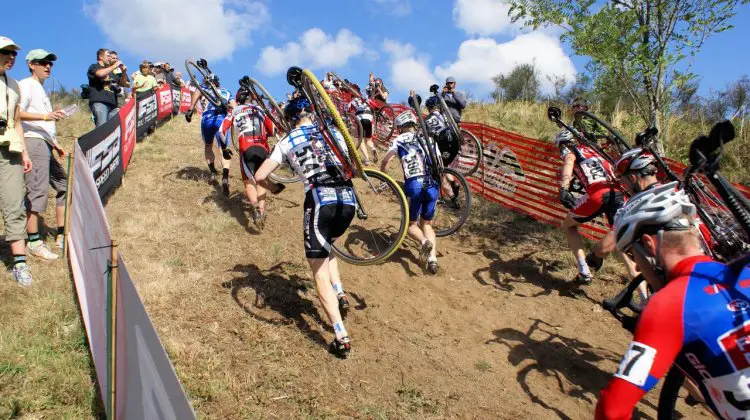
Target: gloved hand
pixel 567 199
pixel 189 115
pixel 226 153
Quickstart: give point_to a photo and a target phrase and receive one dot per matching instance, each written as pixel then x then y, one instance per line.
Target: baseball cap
pixel 6 42
pixel 40 54
pixel 450 79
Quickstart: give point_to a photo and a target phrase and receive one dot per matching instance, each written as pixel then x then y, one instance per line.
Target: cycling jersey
pixel 443 135
pixel 699 321
pixel 591 169
pixel 328 85
pixel 360 108
pixel 211 109
pixel 435 123
pixel 310 157
pixel 413 155
pixel 252 126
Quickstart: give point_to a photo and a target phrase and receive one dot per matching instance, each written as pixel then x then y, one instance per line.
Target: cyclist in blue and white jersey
pixel 328 208
pixel 213 117
pixel 420 187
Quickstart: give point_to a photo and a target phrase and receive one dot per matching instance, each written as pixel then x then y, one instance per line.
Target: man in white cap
pixel 14 161
pixel 39 127
pixel 455 100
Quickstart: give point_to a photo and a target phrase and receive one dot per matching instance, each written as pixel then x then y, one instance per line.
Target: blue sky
pixel 410 43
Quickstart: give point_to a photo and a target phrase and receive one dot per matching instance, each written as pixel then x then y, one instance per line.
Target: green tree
pixel 521 83
pixel 643 43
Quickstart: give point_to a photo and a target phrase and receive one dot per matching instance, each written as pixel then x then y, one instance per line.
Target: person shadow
pixel 289 295
pixel 569 361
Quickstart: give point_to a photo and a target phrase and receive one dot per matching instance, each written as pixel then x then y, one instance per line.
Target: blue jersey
pixel 212 110
pixel 700 321
pixel 414 157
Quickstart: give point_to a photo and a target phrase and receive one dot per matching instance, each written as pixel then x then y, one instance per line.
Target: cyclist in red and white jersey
pixel 601 195
pixel 252 127
pixel 698 319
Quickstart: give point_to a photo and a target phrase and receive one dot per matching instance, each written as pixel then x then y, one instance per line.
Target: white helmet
pixel 406 117
pixel 634 160
pixel 564 137
pixel 654 207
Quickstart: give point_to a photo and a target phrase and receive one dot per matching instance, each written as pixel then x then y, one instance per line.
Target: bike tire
pixel 728 237
pixel 194 71
pixel 620 142
pixel 354 126
pixel 233 138
pixel 283 173
pixel 269 106
pixel 670 392
pixel 470 154
pixel 373 239
pixel 448 220
pixel 385 118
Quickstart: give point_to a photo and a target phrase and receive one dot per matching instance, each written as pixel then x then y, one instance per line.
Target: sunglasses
pixel 43 63
pixel 13 53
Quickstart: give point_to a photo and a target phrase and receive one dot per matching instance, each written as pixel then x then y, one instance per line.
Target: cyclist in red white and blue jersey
pixel 328 208
pixel 698 318
pixel 211 121
pixel 420 187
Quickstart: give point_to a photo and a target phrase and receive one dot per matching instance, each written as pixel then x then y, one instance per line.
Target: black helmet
pixel 431 102
pixel 295 107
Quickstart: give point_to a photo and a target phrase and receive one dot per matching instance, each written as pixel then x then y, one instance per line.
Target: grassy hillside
pixel 530 119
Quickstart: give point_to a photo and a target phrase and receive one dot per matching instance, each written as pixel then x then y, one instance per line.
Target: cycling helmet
pixel 635 160
pixel 564 137
pixel 431 102
pixel 659 207
pixel 405 118
pixel 296 108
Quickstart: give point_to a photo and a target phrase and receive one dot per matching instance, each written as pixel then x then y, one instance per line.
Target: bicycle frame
pixel 554 114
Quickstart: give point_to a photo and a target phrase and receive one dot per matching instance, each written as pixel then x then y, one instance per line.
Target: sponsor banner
pixel 147 110
pixel 176 98
pixel 101 148
pixel 89 253
pixel 186 97
pixel 128 127
pixel 148 387
pixel 164 100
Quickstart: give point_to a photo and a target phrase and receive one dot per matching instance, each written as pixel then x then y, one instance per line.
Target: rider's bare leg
pixel 575 242
pixel 429 233
pixel 322 274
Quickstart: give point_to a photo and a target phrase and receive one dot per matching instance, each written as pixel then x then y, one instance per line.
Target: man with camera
pixel 118 74
pixel 14 161
pixel 105 86
pixel 455 100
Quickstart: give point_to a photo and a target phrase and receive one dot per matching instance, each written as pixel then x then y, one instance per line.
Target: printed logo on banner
pixel 104 157
pixel 502 169
pixel 165 102
pixel 128 126
pixel 147 110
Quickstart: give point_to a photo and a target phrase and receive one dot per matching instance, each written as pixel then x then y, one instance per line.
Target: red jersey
pixel 591 169
pixel 252 126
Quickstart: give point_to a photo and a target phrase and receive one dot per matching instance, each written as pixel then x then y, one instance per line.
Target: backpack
pixel 85 91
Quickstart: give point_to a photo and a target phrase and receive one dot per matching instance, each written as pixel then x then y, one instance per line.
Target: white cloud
pixel 398 8
pixel 483 17
pixel 315 49
pixel 479 60
pixel 408 71
pixel 177 29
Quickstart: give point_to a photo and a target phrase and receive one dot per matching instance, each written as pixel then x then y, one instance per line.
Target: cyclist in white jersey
pixel 363 112
pixel 328 208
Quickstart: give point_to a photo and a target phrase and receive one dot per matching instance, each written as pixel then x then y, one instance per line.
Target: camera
pixel 115 87
pixel 3 125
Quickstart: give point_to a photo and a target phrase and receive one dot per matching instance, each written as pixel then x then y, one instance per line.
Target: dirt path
pixel 495 335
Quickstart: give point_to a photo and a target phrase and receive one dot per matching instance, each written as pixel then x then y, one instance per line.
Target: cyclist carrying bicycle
pixel 698 318
pixel 364 114
pixel 253 127
pixel 211 121
pixel 328 208
pixel 419 186
pixel 601 196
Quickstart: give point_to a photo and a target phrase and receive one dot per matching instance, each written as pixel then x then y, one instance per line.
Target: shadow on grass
pixel 282 293
pixel 569 361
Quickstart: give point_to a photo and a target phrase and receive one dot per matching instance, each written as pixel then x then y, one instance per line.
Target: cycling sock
pixel 225 173
pixel 338 328
pixel 212 168
pixel 583 268
pixel 338 288
pixel 18 260
pixel 61 230
pixel 35 239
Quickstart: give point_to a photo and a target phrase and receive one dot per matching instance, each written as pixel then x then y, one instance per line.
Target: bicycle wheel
pixel 453 205
pixel 669 394
pixel 384 122
pixel 233 138
pixel 376 233
pixel 470 154
pixel 284 172
pixel 211 93
pixel 729 240
pixel 354 126
pixel 269 106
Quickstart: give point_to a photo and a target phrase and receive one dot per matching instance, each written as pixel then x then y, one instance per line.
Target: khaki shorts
pixel 12 190
pixel 46 171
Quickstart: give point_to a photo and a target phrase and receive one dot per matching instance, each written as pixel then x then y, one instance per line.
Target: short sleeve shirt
pixel 100 87
pixel 35 100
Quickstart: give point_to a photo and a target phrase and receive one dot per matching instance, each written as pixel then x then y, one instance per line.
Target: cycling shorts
pixel 252 158
pixel 328 211
pixel 422 195
pixel 210 125
pixel 448 145
pixel 366 128
pixel 605 201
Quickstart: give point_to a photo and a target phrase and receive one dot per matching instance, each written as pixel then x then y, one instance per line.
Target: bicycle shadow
pixel 569 361
pixel 285 294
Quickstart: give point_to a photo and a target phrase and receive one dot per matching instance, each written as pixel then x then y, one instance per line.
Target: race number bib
pixel 636 364
pixel 413 164
pixel 593 170
pixel 249 125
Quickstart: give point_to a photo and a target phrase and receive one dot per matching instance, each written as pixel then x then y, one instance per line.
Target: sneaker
pixel 432 267
pixel 225 186
pixel 424 251
pixel 341 348
pixel 212 177
pixel 59 241
pixel 22 274
pixel 594 262
pixel 583 279
pixel 258 218
pixel 366 162
pixel 455 204
pixel 375 155
pixel 343 304
pixel 41 251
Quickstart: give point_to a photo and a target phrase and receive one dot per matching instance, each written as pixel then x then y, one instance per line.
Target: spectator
pixel 14 161
pixel 38 122
pixel 118 75
pixel 103 100
pixel 158 72
pixel 376 89
pixel 455 100
pixel 178 82
pixel 169 74
pixel 144 81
